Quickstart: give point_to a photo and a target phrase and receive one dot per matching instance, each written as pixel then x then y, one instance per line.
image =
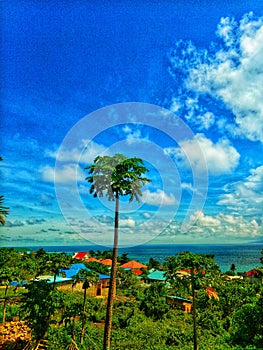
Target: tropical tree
pixel 129 283
pixel 198 267
pixel 88 278
pixel 154 301
pixel 153 264
pixel 40 304
pixel 115 176
pixel 10 270
pixel 123 259
pixel 3 210
pixel 56 262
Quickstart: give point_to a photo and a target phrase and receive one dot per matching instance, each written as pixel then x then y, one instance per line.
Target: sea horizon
pixel 245 256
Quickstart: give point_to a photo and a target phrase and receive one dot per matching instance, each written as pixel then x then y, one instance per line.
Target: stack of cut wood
pixel 13 332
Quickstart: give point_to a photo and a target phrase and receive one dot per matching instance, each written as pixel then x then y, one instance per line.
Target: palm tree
pixel 115 176
pixel 3 210
pixel 88 278
pixel 201 267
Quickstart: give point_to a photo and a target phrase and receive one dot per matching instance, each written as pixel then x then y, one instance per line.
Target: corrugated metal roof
pixel 133 264
pixel 74 269
pixel 179 298
pixel 80 255
pixel 157 275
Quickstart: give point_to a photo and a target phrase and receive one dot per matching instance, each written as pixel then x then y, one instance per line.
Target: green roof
pixel 157 275
pixel 179 298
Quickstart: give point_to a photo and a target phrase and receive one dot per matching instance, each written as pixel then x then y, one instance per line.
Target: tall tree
pixel 200 268
pixel 88 278
pixel 56 262
pixel 10 270
pixel 3 210
pixel 115 176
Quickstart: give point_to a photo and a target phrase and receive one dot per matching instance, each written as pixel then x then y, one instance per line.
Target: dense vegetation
pixel 142 318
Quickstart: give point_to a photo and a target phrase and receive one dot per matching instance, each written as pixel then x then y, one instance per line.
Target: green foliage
pixel 247 325
pixel 39 305
pixel 141 318
pixel 123 259
pixel 128 283
pixel 57 261
pixel 154 264
pixel 11 312
pixel 199 266
pixel 230 273
pixel 106 254
pixel 98 267
pixel 154 301
pixel 117 174
pixel 10 266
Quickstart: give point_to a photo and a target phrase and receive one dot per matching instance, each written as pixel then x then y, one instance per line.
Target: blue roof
pixel 75 268
pixel 16 284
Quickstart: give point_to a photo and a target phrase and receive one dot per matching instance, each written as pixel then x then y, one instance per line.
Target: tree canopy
pixel 117 174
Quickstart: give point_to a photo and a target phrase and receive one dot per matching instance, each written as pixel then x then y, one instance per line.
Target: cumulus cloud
pixel 146 215
pixel 133 134
pixel 158 198
pixel 65 174
pixel 86 152
pixel 205 220
pixel 129 223
pixel 234 74
pixel 225 226
pixel 245 195
pixel 228 74
pixel 105 219
pixel 15 223
pixel 34 221
pixel 220 157
pixel 214 228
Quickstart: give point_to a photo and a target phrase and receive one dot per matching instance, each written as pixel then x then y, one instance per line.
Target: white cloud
pixel 129 223
pixel 134 134
pixel 224 226
pixel 158 198
pixel 207 120
pixel 247 194
pixel 66 174
pixel 146 215
pixel 203 220
pixel 86 151
pixel 234 74
pixel 220 157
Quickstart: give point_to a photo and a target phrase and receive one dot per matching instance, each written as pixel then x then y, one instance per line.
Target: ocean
pixel 245 257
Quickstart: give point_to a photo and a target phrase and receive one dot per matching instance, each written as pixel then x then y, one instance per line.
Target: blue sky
pixel 178 83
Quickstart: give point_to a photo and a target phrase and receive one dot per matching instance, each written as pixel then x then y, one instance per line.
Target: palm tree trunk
pixel 84 317
pixel 54 281
pixel 5 302
pixel 194 313
pixel 112 287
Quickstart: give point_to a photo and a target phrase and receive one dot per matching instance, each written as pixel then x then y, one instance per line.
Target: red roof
pixel 80 255
pixel 252 273
pixel 133 265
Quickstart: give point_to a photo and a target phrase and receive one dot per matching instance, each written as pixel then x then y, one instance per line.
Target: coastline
pixel 244 256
